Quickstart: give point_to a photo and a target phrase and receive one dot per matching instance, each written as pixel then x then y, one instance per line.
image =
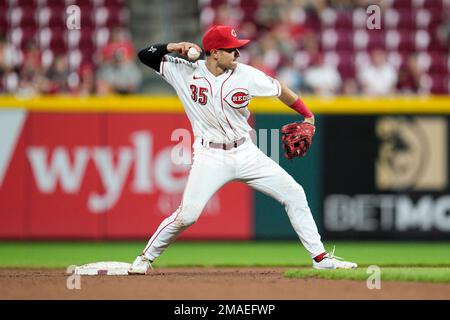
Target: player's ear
pixel 214 53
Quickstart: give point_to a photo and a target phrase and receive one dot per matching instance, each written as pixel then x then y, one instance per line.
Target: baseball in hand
pixel 193 54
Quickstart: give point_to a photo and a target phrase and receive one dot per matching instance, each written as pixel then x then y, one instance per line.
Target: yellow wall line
pixel 171 104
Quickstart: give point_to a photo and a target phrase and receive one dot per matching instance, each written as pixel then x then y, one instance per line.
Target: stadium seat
pixel 344 20
pixel 390 18
pixel 337 40
pixel 437 18
pixel 329 39
pixel 422 40
pixel 20 37
pixel 54 39
pixel 4 24
pixel 345 40
pixel 14 16
pixel 28 19
pixel 52 17
pixel 439 84
pixel 406 19
pixel 423 18
pixel 74 59
pixel 377 40
pixel 87 55
pixel 337 19
pixel 47 58
pixel 423 60
pixel 110 17
pixel 331 58
pixel 401 41
pixel 58 41
pixel 436 45
pixel 360 39
pixel 359 18
pixel 83 38
pixel 434 62
pixel 43 37
pixel 438 63
pixel 328 18
pixel 402 4
pixel 101 37
pixel 346 65
pixel 362 59
pixel 57 20
pixel 433 4
pixel 73 39
pixel 87 20
pixel 396 59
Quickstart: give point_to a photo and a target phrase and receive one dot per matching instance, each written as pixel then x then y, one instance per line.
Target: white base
pixel 107 268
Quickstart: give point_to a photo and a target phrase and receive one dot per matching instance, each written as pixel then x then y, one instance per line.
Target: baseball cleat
pixel 330 261
pixel 140 266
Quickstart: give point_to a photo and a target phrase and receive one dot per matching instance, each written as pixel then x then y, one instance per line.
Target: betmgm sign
pixel 391 181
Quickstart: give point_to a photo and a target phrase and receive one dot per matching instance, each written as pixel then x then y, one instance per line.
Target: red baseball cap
pixel 222 37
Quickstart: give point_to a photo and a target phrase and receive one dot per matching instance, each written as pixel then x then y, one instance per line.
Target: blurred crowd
pixel 289 44
pixel 112 69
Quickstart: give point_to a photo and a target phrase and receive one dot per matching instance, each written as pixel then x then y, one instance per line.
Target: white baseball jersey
pixel 218 110
pixel 217 107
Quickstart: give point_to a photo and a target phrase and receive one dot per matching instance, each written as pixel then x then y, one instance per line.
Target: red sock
pixel 319 257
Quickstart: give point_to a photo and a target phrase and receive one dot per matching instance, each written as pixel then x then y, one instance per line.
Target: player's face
pixel 227 58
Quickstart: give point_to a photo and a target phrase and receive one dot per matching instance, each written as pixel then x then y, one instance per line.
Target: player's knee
pixel 189 214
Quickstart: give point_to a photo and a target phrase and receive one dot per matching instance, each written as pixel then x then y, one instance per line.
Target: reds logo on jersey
pixel 238 98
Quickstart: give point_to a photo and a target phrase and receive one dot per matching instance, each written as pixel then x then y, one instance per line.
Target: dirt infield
pixel 204 284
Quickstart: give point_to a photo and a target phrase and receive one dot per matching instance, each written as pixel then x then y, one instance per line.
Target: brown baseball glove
pixel 297 139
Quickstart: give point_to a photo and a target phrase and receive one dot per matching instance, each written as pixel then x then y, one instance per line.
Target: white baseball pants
pixel 212 168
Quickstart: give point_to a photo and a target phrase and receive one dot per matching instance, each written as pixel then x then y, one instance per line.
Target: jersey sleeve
pixel 261 85
pixel 174 69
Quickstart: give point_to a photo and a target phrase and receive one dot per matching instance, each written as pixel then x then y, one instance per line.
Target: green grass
pixel 281 254
pixel 437 275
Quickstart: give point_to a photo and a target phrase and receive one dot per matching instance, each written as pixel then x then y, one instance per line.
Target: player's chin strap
pixel 332 256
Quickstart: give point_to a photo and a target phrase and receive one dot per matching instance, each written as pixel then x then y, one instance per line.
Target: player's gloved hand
pixel 297 138
pixel 182 47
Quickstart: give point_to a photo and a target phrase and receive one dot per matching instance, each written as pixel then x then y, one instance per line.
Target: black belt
pixel 226 146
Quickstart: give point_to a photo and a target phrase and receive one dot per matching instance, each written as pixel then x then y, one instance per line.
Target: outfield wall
pixel 100 168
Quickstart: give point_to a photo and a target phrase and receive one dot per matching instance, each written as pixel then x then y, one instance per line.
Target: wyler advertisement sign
pixel 386 177
pixel 103 176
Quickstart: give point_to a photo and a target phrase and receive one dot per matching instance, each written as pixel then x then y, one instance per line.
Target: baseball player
pixel 215 94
